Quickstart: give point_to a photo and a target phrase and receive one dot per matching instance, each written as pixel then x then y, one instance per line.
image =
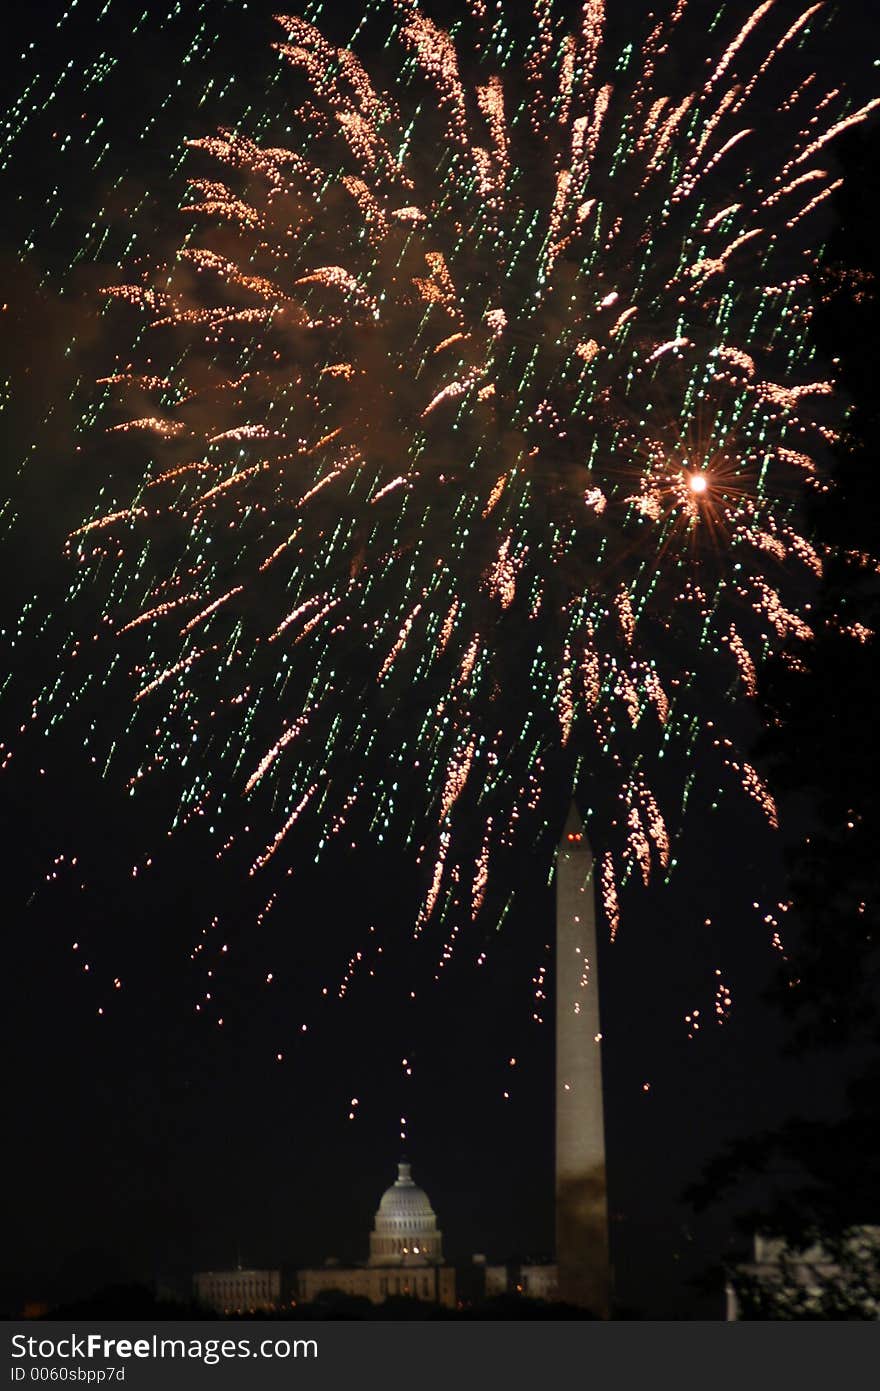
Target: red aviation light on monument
pixel 573 832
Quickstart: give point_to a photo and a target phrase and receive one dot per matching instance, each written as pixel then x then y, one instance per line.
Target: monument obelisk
pixel 581 1196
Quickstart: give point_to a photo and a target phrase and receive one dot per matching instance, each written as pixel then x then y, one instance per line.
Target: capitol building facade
pixel 406 1254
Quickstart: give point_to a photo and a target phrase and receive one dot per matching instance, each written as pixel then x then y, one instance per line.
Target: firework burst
pixel 475 414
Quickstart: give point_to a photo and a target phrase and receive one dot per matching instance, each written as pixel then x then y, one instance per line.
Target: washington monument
pixel 581 1195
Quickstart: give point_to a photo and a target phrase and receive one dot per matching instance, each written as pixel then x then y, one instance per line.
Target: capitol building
pixel 406 1254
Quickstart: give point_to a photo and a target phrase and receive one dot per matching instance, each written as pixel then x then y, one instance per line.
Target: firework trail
pixel 475 414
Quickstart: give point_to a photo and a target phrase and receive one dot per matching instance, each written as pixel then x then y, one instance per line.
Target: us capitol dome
pixel 406 1253
pixel 405 1231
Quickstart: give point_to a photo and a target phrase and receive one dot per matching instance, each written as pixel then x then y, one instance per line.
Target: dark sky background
pixel 146 1141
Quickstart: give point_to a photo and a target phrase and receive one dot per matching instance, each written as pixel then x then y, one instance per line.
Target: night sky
pixel 147 1142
